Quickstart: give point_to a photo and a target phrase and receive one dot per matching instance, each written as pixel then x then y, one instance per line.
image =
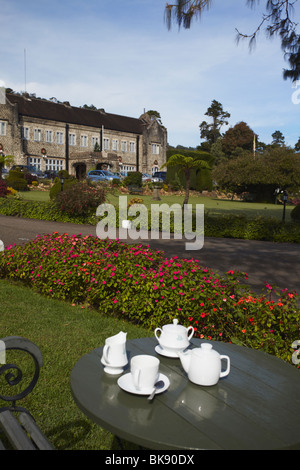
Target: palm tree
pixel 185 165
pixel 5 159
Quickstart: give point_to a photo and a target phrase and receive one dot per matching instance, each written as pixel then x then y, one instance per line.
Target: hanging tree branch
pixel 276 21
pixel 184 11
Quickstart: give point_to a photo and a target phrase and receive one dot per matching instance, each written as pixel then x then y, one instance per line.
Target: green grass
pixel 217 206
pixel 35 195
pixel 213 206
pixel 63 333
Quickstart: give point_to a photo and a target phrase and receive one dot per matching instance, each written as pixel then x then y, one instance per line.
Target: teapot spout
pixel 185 359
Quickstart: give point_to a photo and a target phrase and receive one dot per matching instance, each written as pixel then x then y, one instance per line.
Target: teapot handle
pixel 155 332
pixel 225 372
pixel 191 333
pixel 105 353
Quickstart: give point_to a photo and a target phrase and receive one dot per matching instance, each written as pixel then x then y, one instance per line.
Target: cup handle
pixel 225 372
pixel 136 378
pixel 155 333
pixel 191 333
pixel 105 353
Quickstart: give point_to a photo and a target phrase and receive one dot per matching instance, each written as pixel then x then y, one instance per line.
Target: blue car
pixel 102 175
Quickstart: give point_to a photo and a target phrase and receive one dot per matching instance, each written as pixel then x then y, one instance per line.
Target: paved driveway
pixel 263 261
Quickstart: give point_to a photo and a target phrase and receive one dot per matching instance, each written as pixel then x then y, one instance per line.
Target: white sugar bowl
pixel 174 337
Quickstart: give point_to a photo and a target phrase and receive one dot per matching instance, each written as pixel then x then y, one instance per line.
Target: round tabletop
pixel 257 406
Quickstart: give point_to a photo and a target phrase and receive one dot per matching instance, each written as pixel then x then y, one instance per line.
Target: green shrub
pixel 133 179
pixel 56 188
pixel 134 283
pixel 80 199
pixel 42 211
pixel 16 180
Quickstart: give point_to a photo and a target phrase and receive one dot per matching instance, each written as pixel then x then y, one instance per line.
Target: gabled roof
pixel 43 109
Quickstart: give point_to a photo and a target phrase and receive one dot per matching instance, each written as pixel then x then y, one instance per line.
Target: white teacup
pixel 144 371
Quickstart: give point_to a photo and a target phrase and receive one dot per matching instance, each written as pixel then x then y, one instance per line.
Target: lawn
pixel 212 206
pixel 34 195
pixel 217 206
pixel 63 333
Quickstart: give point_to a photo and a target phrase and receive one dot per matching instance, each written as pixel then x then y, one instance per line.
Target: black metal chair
pixel 16 422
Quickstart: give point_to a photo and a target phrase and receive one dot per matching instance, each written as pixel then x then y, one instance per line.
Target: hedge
pixel 226 226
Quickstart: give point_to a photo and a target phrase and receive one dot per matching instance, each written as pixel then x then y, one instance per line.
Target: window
pixel 49 136
pixel 123 146
pixel 2 128
pixel 59 138
pixel 25 133
pixel 37 135
pixel 132 147
pixel 83 141
pixel 36 162
pixel 115 145
pixel 105 144
pixel 53 164
pixel 95 140
pixel 128 168
pixel 72 139
pixel 155 149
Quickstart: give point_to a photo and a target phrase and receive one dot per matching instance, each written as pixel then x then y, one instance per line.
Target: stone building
pixel 55 136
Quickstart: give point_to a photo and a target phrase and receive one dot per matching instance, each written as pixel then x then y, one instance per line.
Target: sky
pixel 119 55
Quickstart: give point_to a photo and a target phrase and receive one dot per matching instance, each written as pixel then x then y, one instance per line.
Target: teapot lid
pixel 173 326
pixel 205 348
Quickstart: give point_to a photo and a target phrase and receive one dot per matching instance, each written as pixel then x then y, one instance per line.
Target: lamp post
pixel 284 198
pixel 62 180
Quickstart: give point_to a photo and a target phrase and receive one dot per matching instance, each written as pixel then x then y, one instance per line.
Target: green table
pixel 257 406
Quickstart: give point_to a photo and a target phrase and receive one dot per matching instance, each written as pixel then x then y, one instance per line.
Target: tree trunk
pixel 187 187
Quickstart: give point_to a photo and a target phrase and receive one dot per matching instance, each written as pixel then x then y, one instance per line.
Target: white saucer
pixel 111 369
pixel 125 382
pixel 165 352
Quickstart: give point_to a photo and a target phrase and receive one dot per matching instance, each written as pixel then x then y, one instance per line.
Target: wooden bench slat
pixel 14 432
pixel 34 431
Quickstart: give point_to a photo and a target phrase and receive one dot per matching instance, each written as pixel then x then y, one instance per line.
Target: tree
pixel 216 151
pixel 297 145
pixel 276 21
pixel 154 115
pixel 211 132
pixel 238 136
pixel 278 138
pixel 185 165
pixel 278 167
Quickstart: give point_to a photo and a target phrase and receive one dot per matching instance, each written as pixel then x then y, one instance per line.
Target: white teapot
pixel 174 337
pixel 203 365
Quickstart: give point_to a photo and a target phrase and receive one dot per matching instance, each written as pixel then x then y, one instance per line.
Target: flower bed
pixel 145 287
